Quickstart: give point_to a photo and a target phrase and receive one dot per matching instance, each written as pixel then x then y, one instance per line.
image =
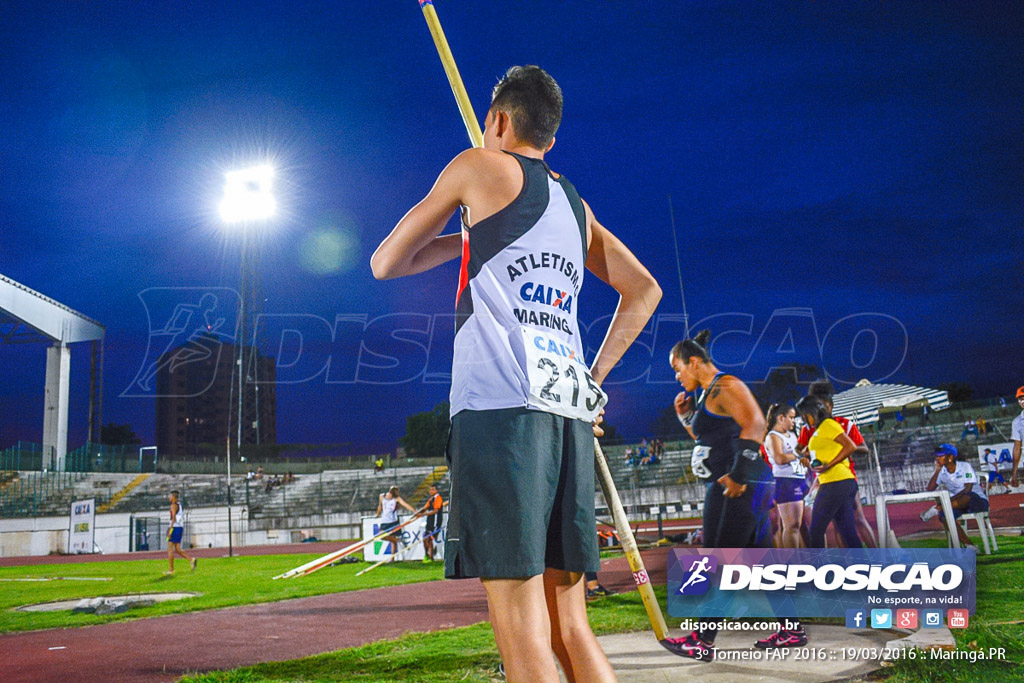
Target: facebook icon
pixel 856 618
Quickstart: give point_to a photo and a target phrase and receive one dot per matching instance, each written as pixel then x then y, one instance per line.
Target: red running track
pixel 166 648
pixel 904 519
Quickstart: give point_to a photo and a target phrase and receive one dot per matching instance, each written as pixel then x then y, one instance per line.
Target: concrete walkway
pixel 637 658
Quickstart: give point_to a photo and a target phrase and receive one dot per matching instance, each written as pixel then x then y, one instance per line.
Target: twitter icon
pixel 881 618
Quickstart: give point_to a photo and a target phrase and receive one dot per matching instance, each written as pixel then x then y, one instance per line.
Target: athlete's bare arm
pixel 849 448
pixel 731 397
pixel 1016 463
pixel 613 263
pixel 482 180
pixel 778 455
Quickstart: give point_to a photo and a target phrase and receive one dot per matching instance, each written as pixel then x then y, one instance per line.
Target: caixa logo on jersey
pixel 550 296
pixel 780 582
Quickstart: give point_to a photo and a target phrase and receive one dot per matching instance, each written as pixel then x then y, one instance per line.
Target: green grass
pixel 1000 603
pixel 458 654
pixel 469 653
pixel 222 582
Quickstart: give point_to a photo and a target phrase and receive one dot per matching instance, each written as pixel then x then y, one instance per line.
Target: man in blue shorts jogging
pixel 175 533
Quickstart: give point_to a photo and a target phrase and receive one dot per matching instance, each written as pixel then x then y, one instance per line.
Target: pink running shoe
pixel 690 646
pixel 783 639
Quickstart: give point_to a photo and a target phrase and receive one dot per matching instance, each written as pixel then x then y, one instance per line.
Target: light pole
pixel 248 200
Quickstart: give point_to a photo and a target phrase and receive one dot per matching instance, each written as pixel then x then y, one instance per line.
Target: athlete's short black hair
pixel 533 100
pixel 176 493
pixel 814 406
pixel 823 391
pixel 698 346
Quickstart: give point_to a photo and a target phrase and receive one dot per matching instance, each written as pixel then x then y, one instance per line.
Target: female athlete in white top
pixel 790 472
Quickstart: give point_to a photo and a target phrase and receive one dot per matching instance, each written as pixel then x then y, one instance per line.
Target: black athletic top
pixel 719 433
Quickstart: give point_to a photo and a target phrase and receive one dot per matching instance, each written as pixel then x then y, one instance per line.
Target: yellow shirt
pixel 823 446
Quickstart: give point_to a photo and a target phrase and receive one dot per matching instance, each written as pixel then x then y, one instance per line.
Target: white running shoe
pixel 930 513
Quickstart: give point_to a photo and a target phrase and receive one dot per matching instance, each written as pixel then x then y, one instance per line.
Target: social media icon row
pixel 904 618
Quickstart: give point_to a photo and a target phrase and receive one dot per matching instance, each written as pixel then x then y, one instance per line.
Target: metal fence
pixel 25 456
pixel 904 462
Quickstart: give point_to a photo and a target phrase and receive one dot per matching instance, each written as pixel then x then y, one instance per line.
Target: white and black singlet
pixel 517 341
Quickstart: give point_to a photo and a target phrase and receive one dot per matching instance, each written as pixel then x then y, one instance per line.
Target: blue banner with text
pixel 783 582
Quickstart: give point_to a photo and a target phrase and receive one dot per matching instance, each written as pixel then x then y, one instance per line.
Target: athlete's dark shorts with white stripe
pixel 522 495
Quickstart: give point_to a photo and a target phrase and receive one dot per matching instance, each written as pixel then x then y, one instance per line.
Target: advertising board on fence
pixel 82 532
pixel 410 537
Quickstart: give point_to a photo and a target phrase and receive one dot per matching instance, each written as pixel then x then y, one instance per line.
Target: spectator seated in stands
pixel 378 465
pixel 259 473
pixel 289 478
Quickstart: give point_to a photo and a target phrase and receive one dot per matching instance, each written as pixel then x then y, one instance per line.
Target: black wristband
pixel 747 453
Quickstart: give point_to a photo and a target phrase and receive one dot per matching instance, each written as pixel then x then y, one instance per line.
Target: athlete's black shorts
pixel 741 522
pixel 522 495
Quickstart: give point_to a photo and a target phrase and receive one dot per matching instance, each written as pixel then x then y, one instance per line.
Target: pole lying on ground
pixel 330 558
pixel 611 495
pixel 375 565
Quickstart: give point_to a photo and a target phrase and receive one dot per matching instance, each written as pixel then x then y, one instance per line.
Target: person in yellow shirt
pixel 831 449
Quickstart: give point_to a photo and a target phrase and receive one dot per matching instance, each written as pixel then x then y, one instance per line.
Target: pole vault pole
pixel 330 558
pixel 611 494
pixel 452 71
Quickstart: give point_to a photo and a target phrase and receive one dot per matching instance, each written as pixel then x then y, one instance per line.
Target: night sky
pixel 846 180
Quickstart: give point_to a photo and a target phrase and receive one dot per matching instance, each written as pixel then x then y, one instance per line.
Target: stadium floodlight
pixel 248 195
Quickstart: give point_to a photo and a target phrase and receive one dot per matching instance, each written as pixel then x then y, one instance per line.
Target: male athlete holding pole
pixel 523 400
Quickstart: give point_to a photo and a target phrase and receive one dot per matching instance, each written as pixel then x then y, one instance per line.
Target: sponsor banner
pixel 411 537
pixel 783 582
pixel 83 531
pixel 999 455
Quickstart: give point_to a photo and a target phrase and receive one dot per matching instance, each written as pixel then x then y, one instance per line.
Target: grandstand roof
pixel 863 402
pixel 28 316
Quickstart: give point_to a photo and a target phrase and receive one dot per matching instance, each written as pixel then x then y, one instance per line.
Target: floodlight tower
pixel 248 203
